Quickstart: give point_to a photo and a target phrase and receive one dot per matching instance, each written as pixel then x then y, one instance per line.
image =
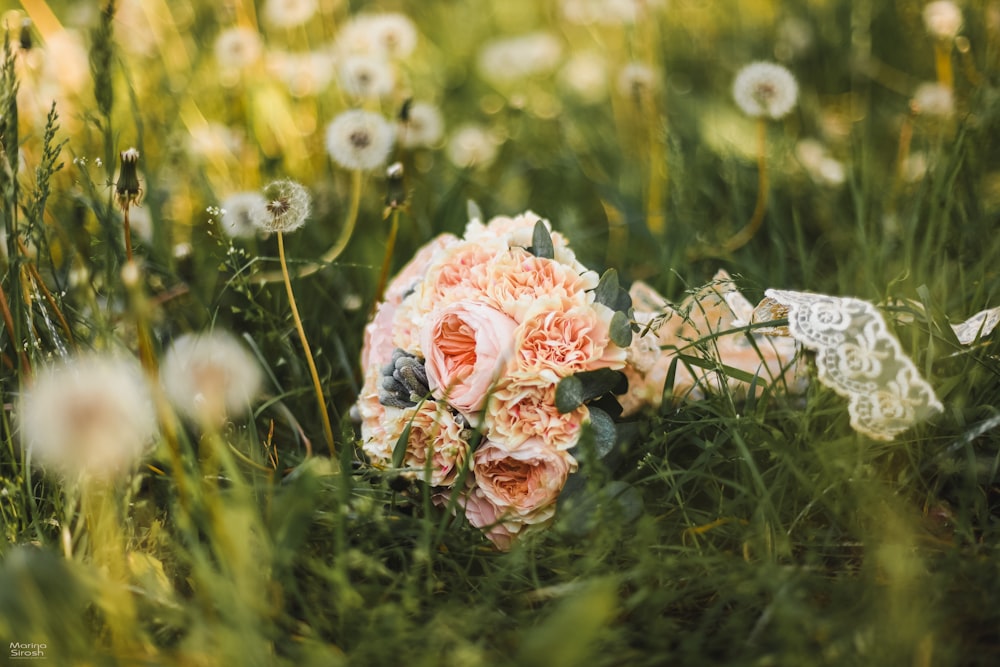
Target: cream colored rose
pixel 466 346
pixel 522 484
pixel 434 433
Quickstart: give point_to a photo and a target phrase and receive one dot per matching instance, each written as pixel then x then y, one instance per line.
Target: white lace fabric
pixel 858 358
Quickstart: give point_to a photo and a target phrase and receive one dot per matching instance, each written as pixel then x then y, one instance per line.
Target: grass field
pixel 728 530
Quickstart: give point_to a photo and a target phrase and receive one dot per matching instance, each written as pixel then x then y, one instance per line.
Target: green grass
pixel 747 531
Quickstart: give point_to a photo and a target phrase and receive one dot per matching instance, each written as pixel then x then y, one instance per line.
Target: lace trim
pixel 978 326
pixel 858 358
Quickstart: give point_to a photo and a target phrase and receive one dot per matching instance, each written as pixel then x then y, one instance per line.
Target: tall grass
pixel 751 530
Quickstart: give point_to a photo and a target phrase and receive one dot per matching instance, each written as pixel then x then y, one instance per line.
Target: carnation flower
pixel 553 343
pixel 289 13
pixel 366 77
pixel 209 377
pixel 240 212
pixel 472 146
pixel 436 433
pixel 237 48
pixel 526 409
pixel 515 280
pixel 423 126
pixel 765 89
pixel 943 19
pixel 90 416
pixel 466 345
pixel 287 205
pixel 359 140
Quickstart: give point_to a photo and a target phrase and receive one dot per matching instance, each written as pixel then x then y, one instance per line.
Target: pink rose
pixel 377 345
pixel 466 345
pixel 522 484
pixel 484 515
pixel 414 270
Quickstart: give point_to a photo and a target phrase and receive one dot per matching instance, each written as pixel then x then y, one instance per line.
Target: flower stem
pixel 742 237
pixel 390 245
pixel 327 429
pixel 334 251
pixel 128 232
pixel 942 63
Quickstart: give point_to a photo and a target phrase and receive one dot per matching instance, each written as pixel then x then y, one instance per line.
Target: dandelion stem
pixel 942 63
pixel 327 428
pixel 128 233
pixel 742 237
pixel 335 250
pixel 387 260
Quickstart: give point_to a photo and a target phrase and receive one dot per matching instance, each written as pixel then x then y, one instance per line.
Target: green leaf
pixel 620 329
pixel 575 390
pixel 541 242
pixel 569 394
pixel 399 450
pixel 610 293
pixel 473 211
pixel 604 432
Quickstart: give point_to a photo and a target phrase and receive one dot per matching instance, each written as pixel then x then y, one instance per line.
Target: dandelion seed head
pixel 765 89
pixel 359 140
pixel 933 99
pixel 366 77
pixel 239 212
pixel 90 416
pixel 303 74
pixel 510 59
pixel 289 13
pixel 424 126
pixel 637 80
pixel 287 204
pixel 391 35
pixel 210 377
pixel 943 19
pixel 472 145
pixel 585 74
pixel 237 48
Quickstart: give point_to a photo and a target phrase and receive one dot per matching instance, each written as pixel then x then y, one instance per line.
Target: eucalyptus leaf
pixel 620 329
pixel 541 242
pixel 610 293
pixel 605 435
pixel 569 394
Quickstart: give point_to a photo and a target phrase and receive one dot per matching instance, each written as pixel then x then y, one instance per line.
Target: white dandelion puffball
pixel 289 13
pixel 390 35
pixel 765 89
pixel 366 77
pixel 237 48
pixel 287 204
pixel 424 126
pixel 239 213
pixel 210 377
pixel 87 417
pixel 472 146
pixel 943 19
pixel 586 76
pixel 636 80
pixel 510 59
pixel 933 99
pixel 359 140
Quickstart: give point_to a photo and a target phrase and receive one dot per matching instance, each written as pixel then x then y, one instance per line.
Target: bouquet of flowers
pixel 465 363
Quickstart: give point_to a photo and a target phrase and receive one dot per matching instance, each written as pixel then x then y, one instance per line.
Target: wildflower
pixel 637 80
pixel 586 75
pixel 422 126
pixel 90 416
pixel 765 89
pixel 472 146
pixel 933 99
pixel 239 212
pixel 237 48
pixel 289 13
pixel 512 58
pixel 943 19
pixel 366 77
pixel 359 140
pixel 287 204
pixel 210 376
pixel 303 74
pixel 394 34
pixel 391 36
pixel 127 187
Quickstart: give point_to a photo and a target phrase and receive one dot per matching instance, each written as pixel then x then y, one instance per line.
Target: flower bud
pixel 128 178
